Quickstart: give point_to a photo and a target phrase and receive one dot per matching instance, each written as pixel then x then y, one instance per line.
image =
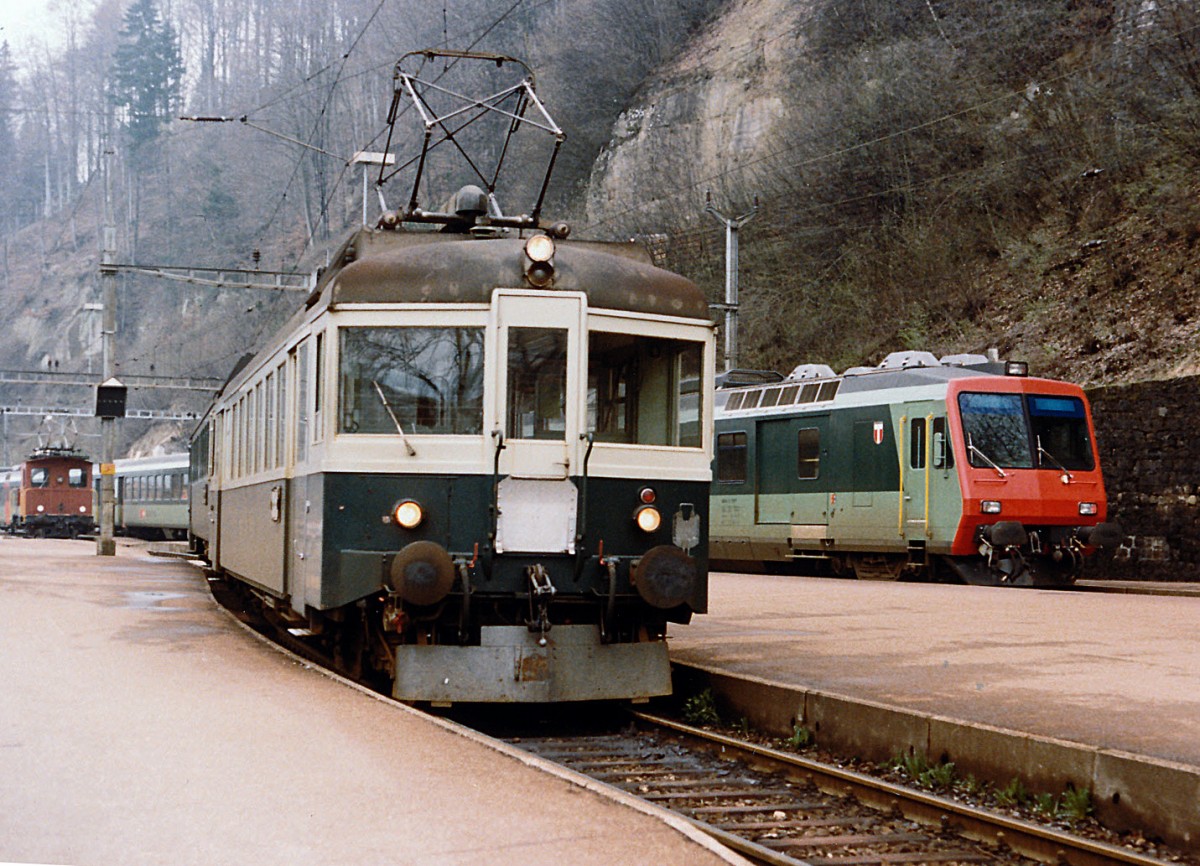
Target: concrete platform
pixel 1096 690
pixel 138 724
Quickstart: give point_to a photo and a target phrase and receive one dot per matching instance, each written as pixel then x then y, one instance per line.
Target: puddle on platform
pixel 152 600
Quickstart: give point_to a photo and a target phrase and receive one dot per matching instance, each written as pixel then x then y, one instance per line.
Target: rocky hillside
pixel 702 121
pixel 1023 180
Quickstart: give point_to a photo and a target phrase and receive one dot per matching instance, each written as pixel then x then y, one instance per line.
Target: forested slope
pixel 940 175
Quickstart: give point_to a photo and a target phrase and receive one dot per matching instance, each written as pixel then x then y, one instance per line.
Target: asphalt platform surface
pixel 140 725
pixel 1114 671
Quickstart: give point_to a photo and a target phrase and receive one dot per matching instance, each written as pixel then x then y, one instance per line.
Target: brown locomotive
pixel 50 494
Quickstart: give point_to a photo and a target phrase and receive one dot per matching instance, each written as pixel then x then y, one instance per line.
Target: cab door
pixel 916 460
pixel 535 411
pixel 536 370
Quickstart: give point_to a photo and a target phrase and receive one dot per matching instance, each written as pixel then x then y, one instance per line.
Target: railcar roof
pixel 860 383
pixel 154 462
pixel 881 380
pixel 423 267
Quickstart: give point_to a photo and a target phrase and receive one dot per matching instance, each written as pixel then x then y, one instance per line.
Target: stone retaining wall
pixel 1150 453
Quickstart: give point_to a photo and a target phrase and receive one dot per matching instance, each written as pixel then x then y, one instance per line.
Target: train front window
pixel 424 380
pixel 1015 431
pixel 1061 432
pixel 39 477
pixel 76 478
pixel 645 390
pixel 537 383
pixel 995 430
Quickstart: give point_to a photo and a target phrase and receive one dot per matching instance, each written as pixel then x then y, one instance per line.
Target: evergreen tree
pixel 8 142
pixel 147 73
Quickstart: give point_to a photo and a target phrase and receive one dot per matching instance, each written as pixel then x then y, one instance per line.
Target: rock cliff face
pixel 712 109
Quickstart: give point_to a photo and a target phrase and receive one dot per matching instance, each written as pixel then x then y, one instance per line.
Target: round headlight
pixel 408 514
pixel 83 509
pixel 41 508
pixel 539 248
pixel 647 518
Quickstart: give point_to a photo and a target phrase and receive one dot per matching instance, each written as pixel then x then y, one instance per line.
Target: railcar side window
pixel 427 380
pixel 645 390
pixel 943 454
pixel 917 444
pixel 318 383
pixel 995 430
pixel 269 421
pixel 281 413
pixel 731 457
pixel 808 453
pixel 301 377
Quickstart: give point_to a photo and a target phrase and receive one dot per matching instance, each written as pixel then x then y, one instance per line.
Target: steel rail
pixel 1044 844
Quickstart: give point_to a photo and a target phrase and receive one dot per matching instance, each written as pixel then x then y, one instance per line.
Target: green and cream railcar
pixel 477 466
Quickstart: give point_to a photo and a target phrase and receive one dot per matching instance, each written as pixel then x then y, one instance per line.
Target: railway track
pixel 773 807
pixel 781 809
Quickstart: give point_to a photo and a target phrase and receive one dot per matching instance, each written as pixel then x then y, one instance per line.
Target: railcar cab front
pixel 1030 472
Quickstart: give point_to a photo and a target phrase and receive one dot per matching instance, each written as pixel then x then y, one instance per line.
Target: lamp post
pixel 105 545
pixel 732 224
pixel 366 158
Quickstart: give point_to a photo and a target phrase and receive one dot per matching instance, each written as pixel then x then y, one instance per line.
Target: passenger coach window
pixel 645 390
pixel 429 379
pixel 808 457
pixel 731 457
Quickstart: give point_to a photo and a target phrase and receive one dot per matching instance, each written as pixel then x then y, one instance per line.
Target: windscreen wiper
pixel 988 460
pixel 1066 473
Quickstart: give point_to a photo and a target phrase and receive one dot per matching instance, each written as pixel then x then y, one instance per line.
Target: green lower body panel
pixel 509 666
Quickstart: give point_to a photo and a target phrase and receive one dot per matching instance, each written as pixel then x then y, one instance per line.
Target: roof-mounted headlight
pixel 539 269
pixel 540 248
pixel 1016 368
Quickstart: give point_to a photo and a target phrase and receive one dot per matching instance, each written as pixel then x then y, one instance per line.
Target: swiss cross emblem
pixel 877 433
